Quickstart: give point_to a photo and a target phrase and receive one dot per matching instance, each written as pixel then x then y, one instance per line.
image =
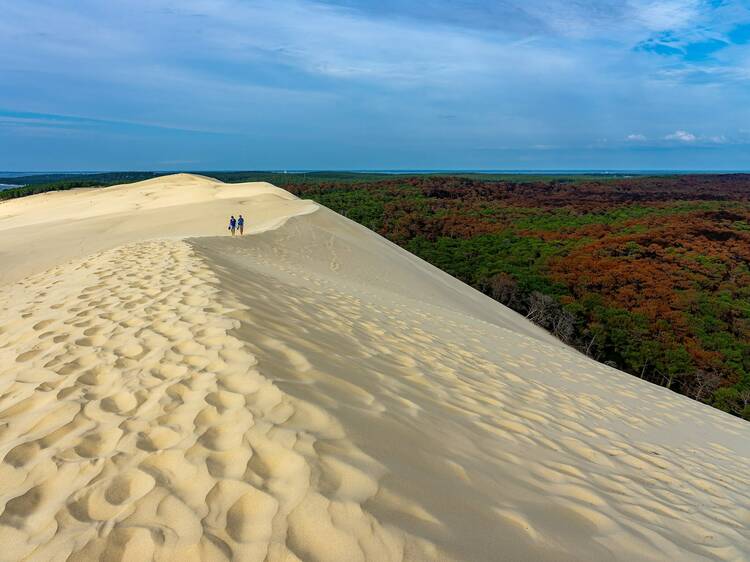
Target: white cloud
pixel 658 15
pixel 682 136
pixel 635 137
pixel 625 21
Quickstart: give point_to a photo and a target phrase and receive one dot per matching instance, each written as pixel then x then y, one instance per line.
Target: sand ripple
pixel 135 427
pixel 495 444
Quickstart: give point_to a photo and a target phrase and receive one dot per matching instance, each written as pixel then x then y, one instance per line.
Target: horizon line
pixel 394 170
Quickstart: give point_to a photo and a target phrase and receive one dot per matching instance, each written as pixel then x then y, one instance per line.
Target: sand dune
pixel 48 229
pixel 312 392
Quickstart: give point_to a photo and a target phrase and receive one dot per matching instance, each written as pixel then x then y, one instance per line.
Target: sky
pixel 374 84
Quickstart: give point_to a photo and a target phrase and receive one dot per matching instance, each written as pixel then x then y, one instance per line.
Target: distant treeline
pixel 31 185
pixel 41 183
pixel 23 191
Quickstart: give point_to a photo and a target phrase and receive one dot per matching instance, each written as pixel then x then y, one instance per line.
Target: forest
pixel 648 274
pixel 60 181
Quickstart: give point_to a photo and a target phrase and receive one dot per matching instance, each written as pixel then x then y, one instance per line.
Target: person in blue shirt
pixel 241 224
pixel 232 224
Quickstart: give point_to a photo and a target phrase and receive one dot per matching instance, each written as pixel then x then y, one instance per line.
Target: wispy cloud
pixel 50 122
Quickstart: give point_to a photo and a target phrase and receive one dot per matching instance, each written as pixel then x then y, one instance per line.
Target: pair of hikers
pixel 237 224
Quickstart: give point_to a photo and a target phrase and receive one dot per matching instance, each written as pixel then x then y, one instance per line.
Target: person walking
pixel 241 224
pixel 232 224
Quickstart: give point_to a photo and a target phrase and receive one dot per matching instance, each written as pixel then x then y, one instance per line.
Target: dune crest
pixel 312 392
pixel 50 228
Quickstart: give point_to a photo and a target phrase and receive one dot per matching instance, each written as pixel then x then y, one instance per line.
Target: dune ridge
pixel 48 229
pixel 312 392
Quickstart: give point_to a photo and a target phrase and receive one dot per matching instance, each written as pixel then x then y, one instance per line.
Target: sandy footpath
pixel 312 392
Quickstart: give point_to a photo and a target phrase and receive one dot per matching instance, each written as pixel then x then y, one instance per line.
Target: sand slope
pixel 312 392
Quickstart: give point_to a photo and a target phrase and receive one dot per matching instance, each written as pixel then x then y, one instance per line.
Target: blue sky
pixel 364 84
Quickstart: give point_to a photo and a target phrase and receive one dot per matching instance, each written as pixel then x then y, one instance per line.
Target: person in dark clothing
pixel 241 224
pixel 232 224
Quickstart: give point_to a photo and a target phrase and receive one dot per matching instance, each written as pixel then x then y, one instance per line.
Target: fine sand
pixel 312 392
